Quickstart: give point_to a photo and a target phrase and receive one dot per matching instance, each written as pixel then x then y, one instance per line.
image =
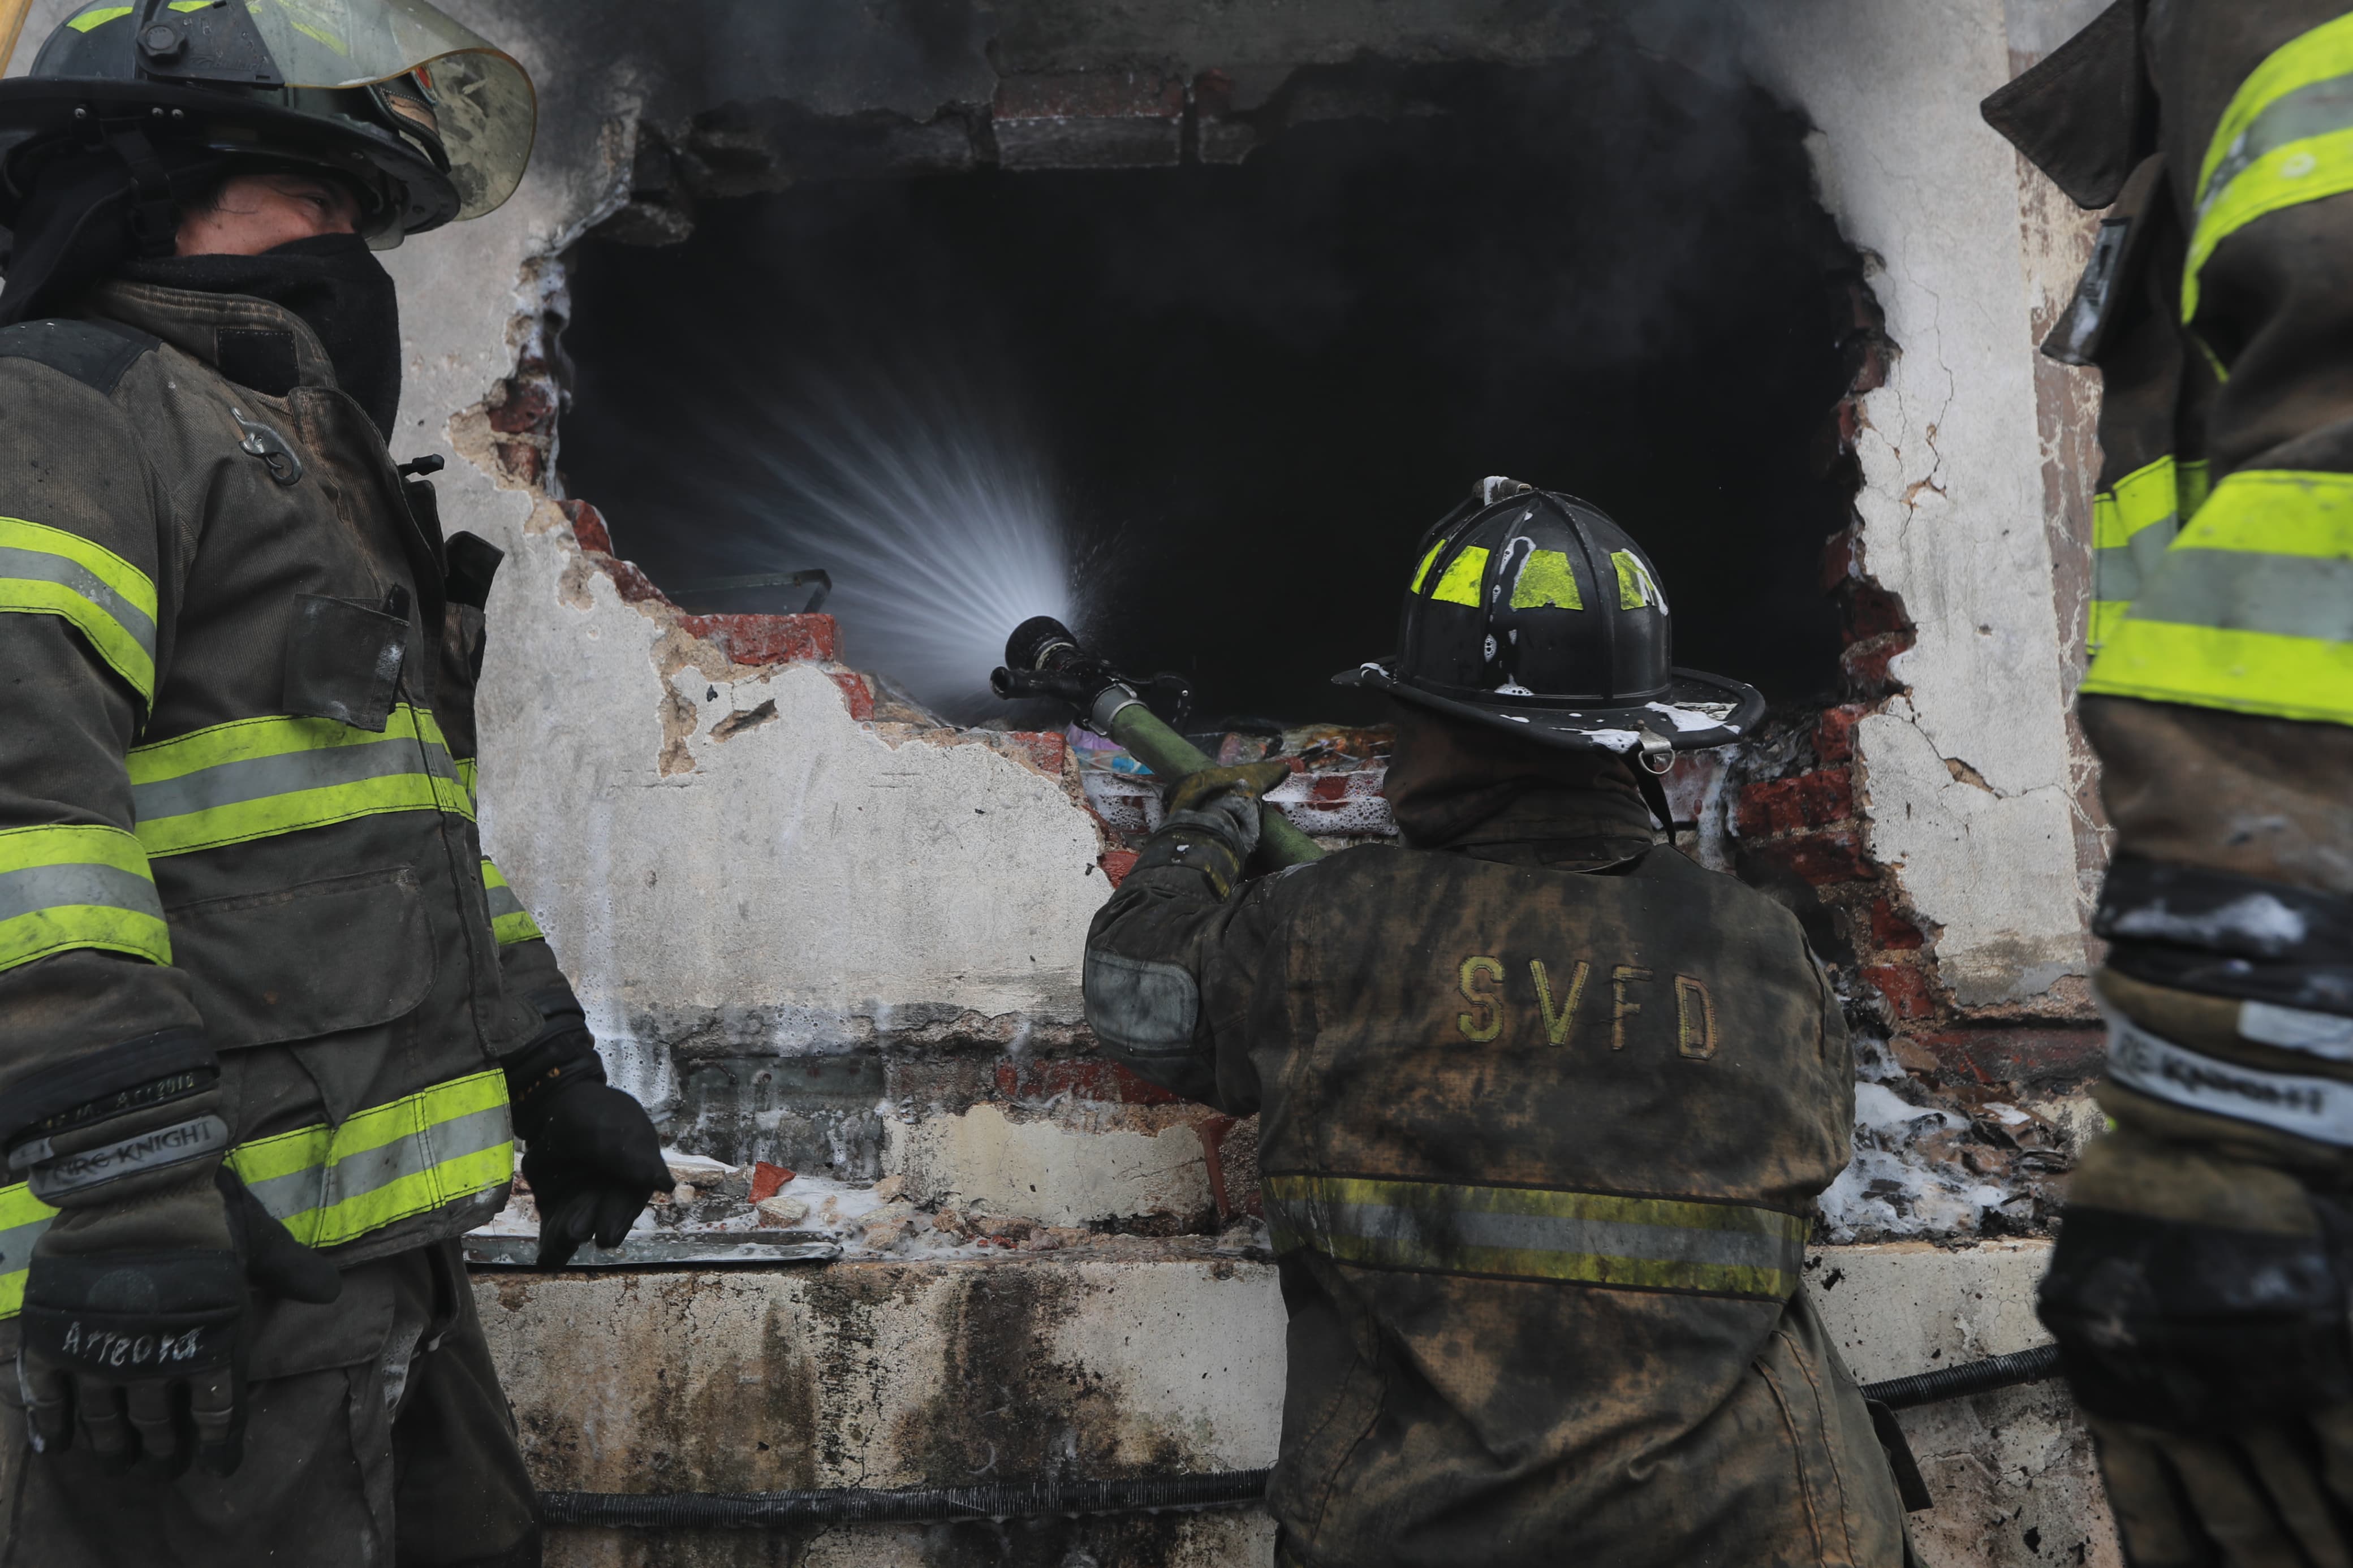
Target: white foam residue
pixel 2322 1034
pixel 1694 715
pixel 1878 1107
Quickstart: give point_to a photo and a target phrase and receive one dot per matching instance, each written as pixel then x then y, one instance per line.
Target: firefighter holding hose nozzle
pixel 270 1022
pixel 1544 1106
pixel 2199 1288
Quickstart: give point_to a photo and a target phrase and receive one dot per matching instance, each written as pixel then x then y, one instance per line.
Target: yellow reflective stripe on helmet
pixel 98 16
pixel 2285 138
pixel 63 887
pixel 253 778
pixel 45 571
pixel 1546 582
pixel 331 1185
pixel 2132 526
pixel 1636 586
pixel 2252 609
pixel 1459 584
pixel 1422 571
pixel 510 921
pixel 1540 1234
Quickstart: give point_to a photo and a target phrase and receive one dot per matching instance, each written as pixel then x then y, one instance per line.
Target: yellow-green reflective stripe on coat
pixel 2252 609
pixel 253 778
pixel 2133 525
pixel 2286 138
pixel 1541 1234
pixel 48 572
pixel 331 1185
pixel 510 921
pixel 64 887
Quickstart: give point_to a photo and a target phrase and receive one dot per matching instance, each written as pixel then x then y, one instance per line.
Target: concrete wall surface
pixel 893 1374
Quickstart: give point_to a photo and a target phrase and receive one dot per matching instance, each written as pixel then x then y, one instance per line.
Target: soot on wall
pixel 1245 390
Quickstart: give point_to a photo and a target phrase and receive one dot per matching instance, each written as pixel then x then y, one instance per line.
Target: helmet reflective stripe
pixel 1546 582
pixel 1636 586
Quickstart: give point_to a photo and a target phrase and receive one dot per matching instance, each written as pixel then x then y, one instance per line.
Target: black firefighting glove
pixel 2199 1292
pixel 136 1324
pixel 1212 822
pixel 590 1151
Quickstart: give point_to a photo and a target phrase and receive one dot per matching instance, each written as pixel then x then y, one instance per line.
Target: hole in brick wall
pixel 1249 386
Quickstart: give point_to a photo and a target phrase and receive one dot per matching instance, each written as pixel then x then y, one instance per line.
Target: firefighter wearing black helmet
pixel 1544 1107
pixel 270 1022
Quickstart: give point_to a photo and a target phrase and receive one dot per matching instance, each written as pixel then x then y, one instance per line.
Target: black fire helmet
pixel 424 119
pixel 1534 613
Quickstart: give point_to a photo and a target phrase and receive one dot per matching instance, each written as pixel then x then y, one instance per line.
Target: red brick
pixel 766 1179
pixel 1832 855
pixel 524 406
pixel 854 688
pixel 2016 1056
pixel 588 526
pixel 1116 864
pixel 1865 664
pixel 769 639
pixel 1786 805
pixel 1872 612
pixel 1906 990
pixel 1889 930
pixel 1834 732
pixel 1081 1077
pixel 634 585
pixel 1839 561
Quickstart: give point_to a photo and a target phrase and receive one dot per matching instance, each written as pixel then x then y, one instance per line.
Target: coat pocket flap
pixel 310 960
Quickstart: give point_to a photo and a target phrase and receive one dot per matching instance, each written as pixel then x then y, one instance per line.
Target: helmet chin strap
pixel 154 219
pixel 1650 761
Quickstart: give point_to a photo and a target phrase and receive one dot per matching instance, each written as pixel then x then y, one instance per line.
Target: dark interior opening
pixel 1244 390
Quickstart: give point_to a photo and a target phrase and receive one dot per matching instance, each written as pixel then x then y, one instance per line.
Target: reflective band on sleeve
pixel 23 1218
pixel 390 1164
pixel 48 572
pixel 2317 1107
pixel 253 778
pixel 2252 609
pixel 64 887
pixel 466 777
pixel 331 1185
pixel 2285 138
pixel 510 921
pixel 1459 584
pixel 2132 525
pixel 1541 1234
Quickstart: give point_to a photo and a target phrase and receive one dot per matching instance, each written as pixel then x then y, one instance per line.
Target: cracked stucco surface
pixel 1953 500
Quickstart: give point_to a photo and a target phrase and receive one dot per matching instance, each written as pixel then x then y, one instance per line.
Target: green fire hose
pixel 1042 658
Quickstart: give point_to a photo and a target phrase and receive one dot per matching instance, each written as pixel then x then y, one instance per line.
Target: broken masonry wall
pixel 754 864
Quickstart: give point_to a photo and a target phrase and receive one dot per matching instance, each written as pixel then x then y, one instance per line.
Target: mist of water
pixel 936 518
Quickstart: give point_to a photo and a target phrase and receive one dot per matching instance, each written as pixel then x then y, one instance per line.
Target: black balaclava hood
pixel 73 229
pixel 333 282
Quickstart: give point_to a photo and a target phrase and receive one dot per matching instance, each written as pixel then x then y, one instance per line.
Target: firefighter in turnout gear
pixel 1544 1107
pixel 2199 1287
pixel 269 1022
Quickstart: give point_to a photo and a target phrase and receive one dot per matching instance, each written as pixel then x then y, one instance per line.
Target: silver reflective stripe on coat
pixel 43 887
pixel 2320 1109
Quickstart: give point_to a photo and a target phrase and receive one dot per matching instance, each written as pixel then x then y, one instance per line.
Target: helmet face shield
pixel 479 113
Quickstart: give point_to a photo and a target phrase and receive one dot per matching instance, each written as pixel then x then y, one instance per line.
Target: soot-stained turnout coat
pixel 237 660
pixel 1542 1128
